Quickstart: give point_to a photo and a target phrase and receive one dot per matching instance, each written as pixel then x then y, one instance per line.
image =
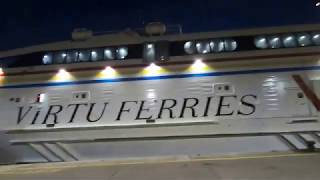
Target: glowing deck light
pixel 318 4
pixel 153 67
pixel 62 75
pixel 199 66
pixel 152 70
pixel 62 71
pixel 108 72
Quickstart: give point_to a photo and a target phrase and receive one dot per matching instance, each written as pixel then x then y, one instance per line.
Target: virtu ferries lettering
pixel 189 107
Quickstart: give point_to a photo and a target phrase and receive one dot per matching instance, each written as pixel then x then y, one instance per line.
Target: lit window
pixel 304 39
pixel 274 42
pixel 59 57
pixel 109 54
pixel 47 59
pixel 230 45
pixel 217 45
pixel 316 38
pixel 261 42
pixel 72 57
pixel 150 46
pixel 190 47
pixel 97 55
pixel 84 55
pixel 149 52
pixel 122 52
pixel 203 47
pixel 289 41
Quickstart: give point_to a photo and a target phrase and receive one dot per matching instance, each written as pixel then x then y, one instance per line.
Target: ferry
pixel 159 92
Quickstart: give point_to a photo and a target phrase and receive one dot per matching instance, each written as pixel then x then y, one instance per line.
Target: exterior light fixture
pixel 108 72
pixel 1 72
pixel 152 70
pixel 62 75
pixel 62 71
pixel 153 67
pixel 198 66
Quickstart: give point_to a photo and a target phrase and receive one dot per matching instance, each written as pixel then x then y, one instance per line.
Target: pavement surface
pixel 268 166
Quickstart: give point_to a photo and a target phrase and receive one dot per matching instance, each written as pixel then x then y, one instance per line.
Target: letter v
pixel 22 115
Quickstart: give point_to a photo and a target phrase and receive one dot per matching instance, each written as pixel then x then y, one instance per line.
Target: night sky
pixel 29 22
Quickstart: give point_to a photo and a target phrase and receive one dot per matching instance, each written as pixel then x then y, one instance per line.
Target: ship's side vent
pixel 220 89
pixel 16 99
pixel 81 96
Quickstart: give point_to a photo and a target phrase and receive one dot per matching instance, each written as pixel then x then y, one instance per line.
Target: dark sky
pixel 28 22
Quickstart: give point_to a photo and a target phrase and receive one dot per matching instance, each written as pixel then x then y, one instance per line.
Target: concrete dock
pixel 260 166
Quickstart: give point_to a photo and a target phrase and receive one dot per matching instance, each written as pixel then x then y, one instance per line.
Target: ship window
pixel 97 55
pixel 261 42
pixel 59 57
pixel 149 53
pixel 203 47
pixel 230 45
pixel 289 41
pixel 189 47
pixel 47 59
pixel 72 57
pixel 304 39
pixel 109 54
pixel 84 55
pixel 216 45
pixel 122 52
pixel 274 42
pixel 316 38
